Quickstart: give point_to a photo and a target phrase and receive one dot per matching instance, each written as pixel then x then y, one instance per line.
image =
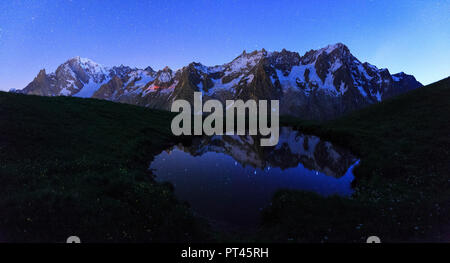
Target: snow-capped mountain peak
pixel 321 84
pixel 88 65
pixel 330 48
pixel 165 75
pixel 245 61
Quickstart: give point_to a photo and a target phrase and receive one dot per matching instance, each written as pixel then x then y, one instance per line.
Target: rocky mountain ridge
pixel 321 84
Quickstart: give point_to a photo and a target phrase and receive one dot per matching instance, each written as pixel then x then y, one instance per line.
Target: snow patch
pixel 89 88
pixel 244 62
pixel 250 78
pixel 336 65
pixel 363 71
pixel 362 91
pixel 144 80
pixel 165 77
pixel 378 95
pixel 218 85
pixel 342 88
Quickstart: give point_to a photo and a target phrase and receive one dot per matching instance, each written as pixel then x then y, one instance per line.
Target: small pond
pixel 230 179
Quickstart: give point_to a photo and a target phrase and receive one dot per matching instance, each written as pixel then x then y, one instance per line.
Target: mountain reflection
pixel 293 148
pixel 231 178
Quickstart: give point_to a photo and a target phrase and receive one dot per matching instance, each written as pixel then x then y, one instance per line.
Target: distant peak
pixel 150 69
pixel 84 61
pixel 401 73
pixel 253 53
pixel 78 59
pixel 330 48
pixel 42 72
pixel 196 64
pixel 86 64
pixel 336 45
pixel 338 49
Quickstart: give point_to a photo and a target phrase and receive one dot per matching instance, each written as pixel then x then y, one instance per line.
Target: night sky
pixel 402 35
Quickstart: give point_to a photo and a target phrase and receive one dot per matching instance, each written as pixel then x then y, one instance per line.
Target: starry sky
pixel 402 35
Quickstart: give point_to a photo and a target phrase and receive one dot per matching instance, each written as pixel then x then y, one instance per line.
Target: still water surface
pixel 231 178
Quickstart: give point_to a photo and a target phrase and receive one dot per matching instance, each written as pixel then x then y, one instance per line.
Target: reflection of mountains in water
pixel 293 148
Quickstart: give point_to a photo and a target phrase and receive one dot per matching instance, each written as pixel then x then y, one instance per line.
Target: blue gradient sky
pixel 402 35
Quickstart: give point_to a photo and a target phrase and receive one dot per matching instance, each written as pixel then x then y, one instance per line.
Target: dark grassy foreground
pixel 72 166
pixel 402 183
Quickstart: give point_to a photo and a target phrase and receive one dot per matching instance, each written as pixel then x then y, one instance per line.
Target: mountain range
pixel 321 84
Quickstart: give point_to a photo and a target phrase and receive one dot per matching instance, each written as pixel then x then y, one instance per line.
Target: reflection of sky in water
pixel 219 187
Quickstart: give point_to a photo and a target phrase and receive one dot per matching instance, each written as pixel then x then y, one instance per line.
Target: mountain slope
pixel 322 84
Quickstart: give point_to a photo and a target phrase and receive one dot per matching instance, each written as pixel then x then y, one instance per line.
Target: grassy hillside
pixel 72 166
pixel 403 180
